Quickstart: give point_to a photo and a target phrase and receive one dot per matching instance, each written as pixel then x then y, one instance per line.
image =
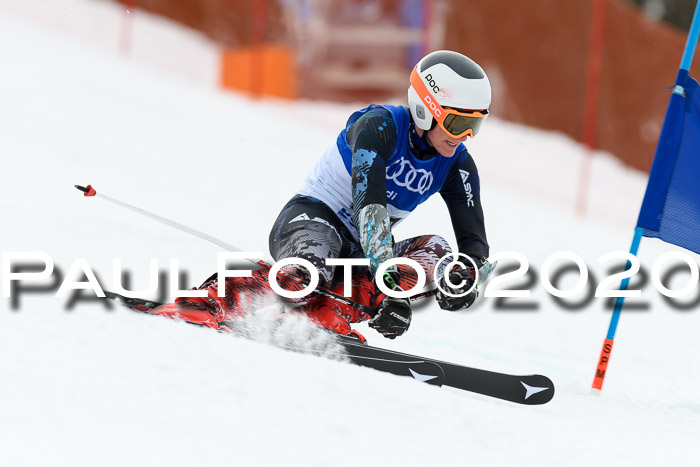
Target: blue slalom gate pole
pixel 678 94
pixel 623 286
pixel 610 338
pixel 692 40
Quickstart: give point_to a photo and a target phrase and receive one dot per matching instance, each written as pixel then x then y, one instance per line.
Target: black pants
pixel 307 228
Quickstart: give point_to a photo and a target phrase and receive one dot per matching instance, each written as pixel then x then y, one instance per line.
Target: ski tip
pixel 538 389
pixel 87 190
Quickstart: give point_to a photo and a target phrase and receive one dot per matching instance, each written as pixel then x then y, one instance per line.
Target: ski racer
pixel 384 163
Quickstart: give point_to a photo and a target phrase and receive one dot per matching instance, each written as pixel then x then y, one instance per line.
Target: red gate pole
pixel 127 26
pixel 591 103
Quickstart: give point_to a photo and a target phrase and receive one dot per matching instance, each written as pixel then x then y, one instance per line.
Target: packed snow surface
pixel 87 385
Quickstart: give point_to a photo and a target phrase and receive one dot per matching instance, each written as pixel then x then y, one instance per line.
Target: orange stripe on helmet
pixel 439 112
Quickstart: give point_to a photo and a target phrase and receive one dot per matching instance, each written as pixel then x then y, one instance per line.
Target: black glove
pixel 394 314
pixel 457 303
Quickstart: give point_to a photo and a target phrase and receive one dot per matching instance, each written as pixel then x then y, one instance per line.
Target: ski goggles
pixel 456 122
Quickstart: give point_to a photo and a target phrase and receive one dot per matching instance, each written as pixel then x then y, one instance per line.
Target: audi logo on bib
pixel 405 175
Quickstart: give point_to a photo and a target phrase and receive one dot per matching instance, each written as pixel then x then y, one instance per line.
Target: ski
pixel 526 389
pixel 418 369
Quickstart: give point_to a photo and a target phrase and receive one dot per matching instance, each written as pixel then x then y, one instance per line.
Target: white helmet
pixel 449 79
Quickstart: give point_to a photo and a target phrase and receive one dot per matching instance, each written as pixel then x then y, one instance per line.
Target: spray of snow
pixel 291 331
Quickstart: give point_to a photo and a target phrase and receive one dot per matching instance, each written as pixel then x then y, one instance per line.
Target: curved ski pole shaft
pixel 89 191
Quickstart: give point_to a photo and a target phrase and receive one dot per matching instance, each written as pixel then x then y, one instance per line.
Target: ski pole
pixel 90 191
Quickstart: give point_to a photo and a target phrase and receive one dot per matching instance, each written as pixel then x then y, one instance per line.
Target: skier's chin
pixel 449 148
pixel 441 141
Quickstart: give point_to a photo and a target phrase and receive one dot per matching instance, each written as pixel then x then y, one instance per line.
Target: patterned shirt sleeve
pixel 373 140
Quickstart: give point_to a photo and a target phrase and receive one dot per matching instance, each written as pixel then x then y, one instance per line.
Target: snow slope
pixel 91 386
